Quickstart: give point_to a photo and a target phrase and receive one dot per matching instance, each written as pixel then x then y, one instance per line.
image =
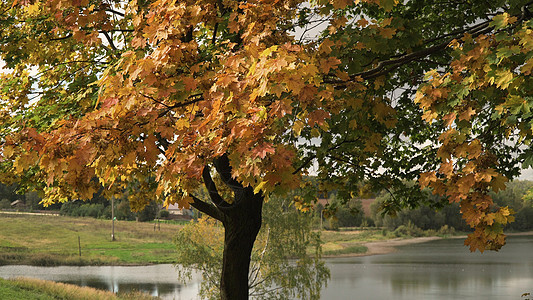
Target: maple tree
pixel 158 96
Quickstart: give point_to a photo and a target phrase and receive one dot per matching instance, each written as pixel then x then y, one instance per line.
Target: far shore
pixel 390 246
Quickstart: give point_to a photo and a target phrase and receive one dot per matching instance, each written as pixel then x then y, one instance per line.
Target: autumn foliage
pixel 146 96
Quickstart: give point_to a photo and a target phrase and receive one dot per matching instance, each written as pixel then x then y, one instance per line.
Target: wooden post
pixel 112 218
pixel 79 245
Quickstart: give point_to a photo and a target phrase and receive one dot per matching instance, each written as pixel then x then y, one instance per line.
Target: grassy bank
pixel 53 240
pixel 34 289
pixel 352 241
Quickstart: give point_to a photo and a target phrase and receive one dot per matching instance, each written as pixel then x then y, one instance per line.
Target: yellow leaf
pixel 387 33
pixel 8 151
pixel 267 52
pixel 297 127
pixel 325 47
pixel 386 22
pixel 259 187
pixel 503 79
pixel 449 118
pixel 340 4
pixel 446 168
pixel 527 67
pixel 362 22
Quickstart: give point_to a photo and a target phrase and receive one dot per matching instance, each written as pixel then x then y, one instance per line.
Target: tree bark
pixel 241 226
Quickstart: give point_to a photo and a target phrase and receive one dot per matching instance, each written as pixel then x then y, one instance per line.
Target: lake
pixel 441 269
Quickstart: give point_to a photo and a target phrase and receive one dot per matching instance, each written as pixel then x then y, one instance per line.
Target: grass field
pixel 53 240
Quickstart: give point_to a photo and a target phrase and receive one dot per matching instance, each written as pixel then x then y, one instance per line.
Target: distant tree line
pixel 97 207
pixel 518 196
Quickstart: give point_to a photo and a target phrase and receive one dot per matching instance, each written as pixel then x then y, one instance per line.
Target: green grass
pixel 10 290
pixel 350 242
pixel 53 240
pixel 35 289
pixel 356 249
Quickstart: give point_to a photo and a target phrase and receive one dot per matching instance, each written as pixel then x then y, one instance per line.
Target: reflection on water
pixel 156 280
pixel 154 289
pixel 440 270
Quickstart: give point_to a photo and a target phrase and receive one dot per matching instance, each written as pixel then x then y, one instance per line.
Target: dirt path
pixel 389 246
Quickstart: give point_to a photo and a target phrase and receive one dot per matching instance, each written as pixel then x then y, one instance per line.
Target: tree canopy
pixel 151 95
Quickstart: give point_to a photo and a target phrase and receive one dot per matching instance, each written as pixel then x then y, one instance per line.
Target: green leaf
pixel 500 21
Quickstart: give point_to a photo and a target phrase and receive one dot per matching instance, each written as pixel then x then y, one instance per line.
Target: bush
pixel 106 213
pixel 349 217
pixel 523 219
pixel 332 224
pixel 148 213
pixel 446 230
pixel 5 204
pixel 408 230
pixel 68 208
pixel 164 214
pixel 75 209
pixel 123 211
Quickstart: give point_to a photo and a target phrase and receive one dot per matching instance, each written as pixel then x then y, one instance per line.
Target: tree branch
pixel 224 170
pixel 62 38
pixel 381 68
pixel 114 12
pixel 212 189
pixel 109 40
pixel 308 160
pixel 207 208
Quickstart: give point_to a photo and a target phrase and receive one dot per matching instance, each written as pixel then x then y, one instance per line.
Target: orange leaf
pixel 467 114
pixel 190 83
pixel 387 33
pixel 426 178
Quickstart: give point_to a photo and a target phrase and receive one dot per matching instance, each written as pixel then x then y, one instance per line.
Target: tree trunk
pixel 241 219
pixel 242 224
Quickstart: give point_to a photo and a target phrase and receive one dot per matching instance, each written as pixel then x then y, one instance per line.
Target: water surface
pixel 440 270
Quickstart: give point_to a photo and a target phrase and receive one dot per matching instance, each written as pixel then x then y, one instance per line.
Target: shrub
pixel 148 213
pixel 5 204
pixel 68 208
pixel 164 214
pixel 408 230
pixel 523 219
pixel 332 224
pixel 446 230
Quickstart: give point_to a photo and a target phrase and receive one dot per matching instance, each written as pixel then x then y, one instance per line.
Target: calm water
pixel 443 269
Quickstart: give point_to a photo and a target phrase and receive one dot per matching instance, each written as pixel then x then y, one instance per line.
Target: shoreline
pixel 390 246
pixel 386 246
